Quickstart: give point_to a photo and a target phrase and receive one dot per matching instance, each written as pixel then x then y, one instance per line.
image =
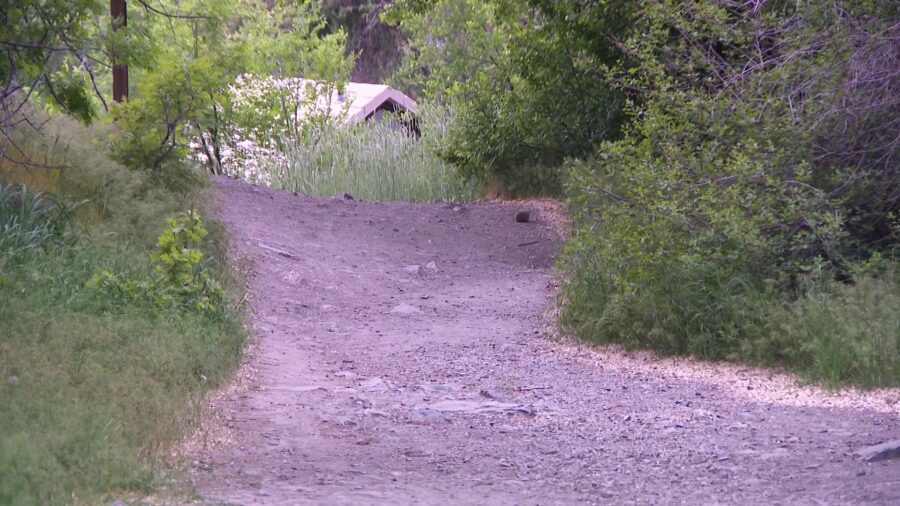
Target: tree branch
pixel 161 11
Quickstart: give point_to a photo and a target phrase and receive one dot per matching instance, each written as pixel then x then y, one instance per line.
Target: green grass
pixel 839 333
pixel 93 390
pixel 836 334
pixel 91 397
pixel 371 162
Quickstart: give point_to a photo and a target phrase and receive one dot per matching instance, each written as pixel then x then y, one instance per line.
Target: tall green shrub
pixel 726 201
pixel 522 79
pixel 181 279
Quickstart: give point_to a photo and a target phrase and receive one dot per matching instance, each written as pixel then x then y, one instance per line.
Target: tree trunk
pixel 119 14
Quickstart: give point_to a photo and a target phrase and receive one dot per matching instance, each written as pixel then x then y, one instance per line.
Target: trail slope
pixel 383 378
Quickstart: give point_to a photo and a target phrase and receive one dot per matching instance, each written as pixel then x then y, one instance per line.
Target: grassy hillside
pixel 96 384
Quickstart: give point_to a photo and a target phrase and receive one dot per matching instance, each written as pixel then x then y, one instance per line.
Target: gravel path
pixel 401 359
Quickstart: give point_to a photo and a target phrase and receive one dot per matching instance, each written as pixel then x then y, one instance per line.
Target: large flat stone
pixel 884 451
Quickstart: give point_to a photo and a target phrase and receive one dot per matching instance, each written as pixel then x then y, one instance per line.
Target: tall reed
pixel 374 161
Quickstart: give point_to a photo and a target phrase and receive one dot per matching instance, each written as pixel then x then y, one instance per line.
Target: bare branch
pixel 162 11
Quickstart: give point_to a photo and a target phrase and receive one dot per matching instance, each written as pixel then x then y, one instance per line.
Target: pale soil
pixel 371 383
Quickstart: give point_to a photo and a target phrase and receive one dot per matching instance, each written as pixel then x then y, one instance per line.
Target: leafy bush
pixel 705 223
pixel 522 79
pixel 92 399
pixel 181 279
pixel 837 333
pixel 668 246
pixel 73 162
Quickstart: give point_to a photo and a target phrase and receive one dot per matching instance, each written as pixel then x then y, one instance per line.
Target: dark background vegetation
pixel 377 44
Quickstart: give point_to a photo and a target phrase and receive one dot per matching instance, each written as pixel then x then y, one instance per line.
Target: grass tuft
pixel 30 220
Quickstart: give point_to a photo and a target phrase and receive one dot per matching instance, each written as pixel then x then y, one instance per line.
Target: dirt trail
pixel 378 382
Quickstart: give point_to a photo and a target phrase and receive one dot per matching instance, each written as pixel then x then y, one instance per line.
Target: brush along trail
pixel 401 357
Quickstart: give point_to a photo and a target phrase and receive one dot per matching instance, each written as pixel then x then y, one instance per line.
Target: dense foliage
pixel 729 188
pixel 186 94
pixel 48 51
pixel 521 80
pixel 180 279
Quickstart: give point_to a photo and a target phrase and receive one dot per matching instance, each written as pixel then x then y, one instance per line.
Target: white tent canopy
pixel 365 99
pixel 359 101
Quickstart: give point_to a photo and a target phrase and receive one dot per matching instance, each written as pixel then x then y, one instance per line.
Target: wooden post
pixel 118 10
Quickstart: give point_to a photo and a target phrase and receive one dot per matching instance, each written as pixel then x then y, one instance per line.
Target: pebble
pixel 491 394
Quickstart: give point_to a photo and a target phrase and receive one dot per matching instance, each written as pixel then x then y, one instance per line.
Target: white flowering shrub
pixel 276 108
pixel 265 114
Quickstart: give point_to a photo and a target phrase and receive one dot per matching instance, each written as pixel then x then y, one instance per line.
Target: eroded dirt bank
pixel 401 360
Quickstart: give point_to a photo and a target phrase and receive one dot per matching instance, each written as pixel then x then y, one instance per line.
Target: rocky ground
pixel 402 357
